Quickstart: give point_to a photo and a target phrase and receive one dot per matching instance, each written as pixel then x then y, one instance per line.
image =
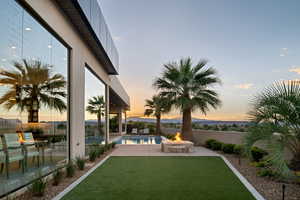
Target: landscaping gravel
pixel 268 188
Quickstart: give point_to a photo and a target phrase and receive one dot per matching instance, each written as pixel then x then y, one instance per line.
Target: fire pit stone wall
pixel 183 146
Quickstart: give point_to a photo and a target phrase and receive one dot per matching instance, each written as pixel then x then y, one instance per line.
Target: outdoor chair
pixel 14 151
pixel 134 131
pixel 146 131
pixel 31 148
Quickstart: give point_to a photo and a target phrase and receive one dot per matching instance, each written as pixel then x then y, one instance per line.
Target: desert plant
pixel 238 149
pixel 93 155
pixel 187 88
pixel 276 114
pixel 228 148
pixel 156 106
pixel 262 164
pixel 70 169
pixel 257 153
pixel 266 173
pixel 80 162
pixel 57 177
pixel 38 187
pixel 208 143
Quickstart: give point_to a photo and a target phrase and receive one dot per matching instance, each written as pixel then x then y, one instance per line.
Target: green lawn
pixel 161 178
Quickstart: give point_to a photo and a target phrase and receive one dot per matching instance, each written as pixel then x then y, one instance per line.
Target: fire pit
pixel 177 146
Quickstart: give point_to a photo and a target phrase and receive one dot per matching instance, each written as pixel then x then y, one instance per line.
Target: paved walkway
pixel 155 150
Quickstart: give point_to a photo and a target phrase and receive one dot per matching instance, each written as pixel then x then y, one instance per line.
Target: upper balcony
pixel 87 17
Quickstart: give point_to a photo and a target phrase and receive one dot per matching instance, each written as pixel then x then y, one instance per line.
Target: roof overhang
pixel 76 15
pixel 117 95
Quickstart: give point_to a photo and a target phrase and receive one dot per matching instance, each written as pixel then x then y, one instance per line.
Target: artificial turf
pixel 161 178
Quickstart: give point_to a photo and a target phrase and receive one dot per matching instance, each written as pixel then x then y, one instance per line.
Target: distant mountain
pixel 194 120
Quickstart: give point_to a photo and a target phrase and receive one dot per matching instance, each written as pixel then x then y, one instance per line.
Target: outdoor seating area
pixel 21 148
pixel 22 158
pixel 144 131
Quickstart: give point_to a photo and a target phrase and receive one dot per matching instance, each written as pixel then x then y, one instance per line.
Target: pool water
pixel 139 140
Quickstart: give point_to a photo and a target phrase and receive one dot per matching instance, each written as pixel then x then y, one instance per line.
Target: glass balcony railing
pixel 95 17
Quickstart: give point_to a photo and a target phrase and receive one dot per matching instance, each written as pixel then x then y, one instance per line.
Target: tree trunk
pixel 99 124
pixel 186 129
pixel 33 111
pixel 157 130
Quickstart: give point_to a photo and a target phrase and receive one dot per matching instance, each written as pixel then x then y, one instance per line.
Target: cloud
pixel 283 52
pixel 295 69
pixel 244 86
pixel 116 38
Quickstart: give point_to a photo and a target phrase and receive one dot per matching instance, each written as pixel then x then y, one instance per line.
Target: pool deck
pixel 155 150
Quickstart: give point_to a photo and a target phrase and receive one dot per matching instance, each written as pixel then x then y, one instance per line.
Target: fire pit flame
pixel 177 145
pixel 178 137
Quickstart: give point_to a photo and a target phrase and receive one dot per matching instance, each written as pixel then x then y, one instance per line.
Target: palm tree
pixel 276 113
pixel 187 88
pixel 156 106
pixel 96 105
pixel 31 85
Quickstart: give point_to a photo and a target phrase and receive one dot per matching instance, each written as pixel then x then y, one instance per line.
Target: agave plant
pixel 32 85
pixel 156 106
pixel 276 112
pixel 96 105
pixel 187 87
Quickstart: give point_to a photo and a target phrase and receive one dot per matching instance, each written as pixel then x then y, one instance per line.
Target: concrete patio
pixel 155 150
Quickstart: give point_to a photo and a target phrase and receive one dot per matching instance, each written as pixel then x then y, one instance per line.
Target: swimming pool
pixel 140 139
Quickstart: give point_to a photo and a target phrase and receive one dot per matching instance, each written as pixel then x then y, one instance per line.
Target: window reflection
pixel 33 99
pixel 94 110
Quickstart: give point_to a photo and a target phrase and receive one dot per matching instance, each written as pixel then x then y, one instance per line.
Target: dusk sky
pixel 250 43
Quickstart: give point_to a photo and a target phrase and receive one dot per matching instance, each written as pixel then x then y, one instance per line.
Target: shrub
pixel 169 136
pixel 113 144
pixel 101 150
pixel 228 148
pixel 38 187
pixel 98 152
pixel 70 170
pixel 80 162
pixel 266 173
pixel 57 177
pixel 262 164
pixel 93 155
pixel 216 145
pixel 257 154
pixel 209 142
pixel 106 147
pixel 238 149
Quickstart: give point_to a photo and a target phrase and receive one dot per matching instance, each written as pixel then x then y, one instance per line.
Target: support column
pixel 120 121
pixel 76 105
pixel 125 121
pixel 106 114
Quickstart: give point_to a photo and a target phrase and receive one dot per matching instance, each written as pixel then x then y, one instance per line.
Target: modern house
pixel 59 71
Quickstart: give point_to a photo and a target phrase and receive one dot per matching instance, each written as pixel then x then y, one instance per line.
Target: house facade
pixel 59 70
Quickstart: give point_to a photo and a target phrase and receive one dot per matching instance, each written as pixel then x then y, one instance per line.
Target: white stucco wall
pixel 80 54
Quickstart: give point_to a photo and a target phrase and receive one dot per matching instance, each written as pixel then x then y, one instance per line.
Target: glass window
pixel 94 111
pixel 123 121
pixel 113 123
pixel 33 98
